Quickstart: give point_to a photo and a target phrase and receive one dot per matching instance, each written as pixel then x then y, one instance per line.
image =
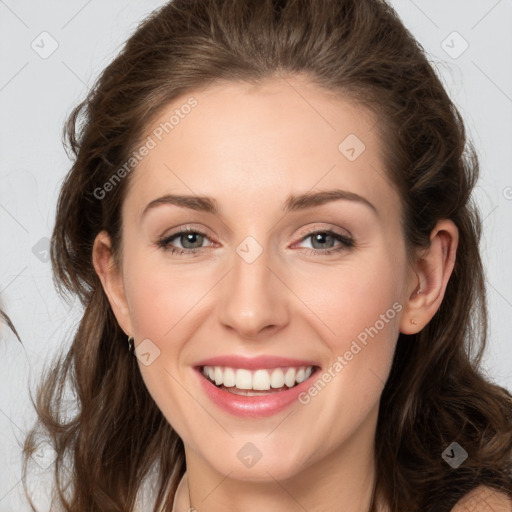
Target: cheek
pixel 162 301
pixel 358 309
pixel 161 296
pixel 354 296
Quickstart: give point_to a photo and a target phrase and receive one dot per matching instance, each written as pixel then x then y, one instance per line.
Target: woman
pixel 270 205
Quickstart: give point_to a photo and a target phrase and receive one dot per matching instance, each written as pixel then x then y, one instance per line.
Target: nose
pixel 254 300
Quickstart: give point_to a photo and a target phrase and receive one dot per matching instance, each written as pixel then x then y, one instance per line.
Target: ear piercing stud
pixel 413 322
pixel 130 343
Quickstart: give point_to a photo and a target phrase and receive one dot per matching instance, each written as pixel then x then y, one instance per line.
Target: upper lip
pixel 251 363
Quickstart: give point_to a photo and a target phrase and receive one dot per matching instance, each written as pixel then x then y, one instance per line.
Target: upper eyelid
pixel 347 240
pixel 186 229
pixel 316 229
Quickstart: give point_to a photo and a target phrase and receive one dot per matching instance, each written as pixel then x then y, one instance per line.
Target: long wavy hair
pixel 436 392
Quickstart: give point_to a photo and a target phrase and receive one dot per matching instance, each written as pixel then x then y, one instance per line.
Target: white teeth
pixel 277 378
pixel 261 380
pixel 243 379
pixel 289 377
pixel 229 377
pixel 300 376
pixel 258 380
pixel 218 375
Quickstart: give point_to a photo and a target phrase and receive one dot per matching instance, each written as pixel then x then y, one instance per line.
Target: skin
pixel 250 148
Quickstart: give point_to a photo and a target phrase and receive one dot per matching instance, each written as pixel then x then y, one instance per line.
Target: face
pixel 283 284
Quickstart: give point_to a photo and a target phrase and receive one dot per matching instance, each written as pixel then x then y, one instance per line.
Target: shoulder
pixel 484 499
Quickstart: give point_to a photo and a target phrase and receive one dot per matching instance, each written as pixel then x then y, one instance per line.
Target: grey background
pixel 37 93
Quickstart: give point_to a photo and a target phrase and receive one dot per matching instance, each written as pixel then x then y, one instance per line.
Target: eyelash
pixel 346 242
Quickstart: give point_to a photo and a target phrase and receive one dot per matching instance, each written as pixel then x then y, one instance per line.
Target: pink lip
pixel 253 406
pixel 254 363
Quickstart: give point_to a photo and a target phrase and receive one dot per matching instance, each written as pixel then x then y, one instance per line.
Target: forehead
pixel 281 137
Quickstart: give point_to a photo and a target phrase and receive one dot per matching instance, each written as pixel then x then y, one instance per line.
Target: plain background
pixel 38 91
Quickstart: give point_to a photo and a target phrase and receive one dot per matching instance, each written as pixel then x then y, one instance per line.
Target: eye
pixel 191 241
pixel 323 241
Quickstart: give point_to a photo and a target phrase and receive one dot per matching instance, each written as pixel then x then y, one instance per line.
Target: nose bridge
pixel 253 297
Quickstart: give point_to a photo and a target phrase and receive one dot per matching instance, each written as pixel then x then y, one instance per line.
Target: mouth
pixel 257 387
pixel 256 382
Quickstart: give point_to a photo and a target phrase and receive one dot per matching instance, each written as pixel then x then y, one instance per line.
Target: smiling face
pixel 295 259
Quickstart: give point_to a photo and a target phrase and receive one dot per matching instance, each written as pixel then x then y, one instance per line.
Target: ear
pixel 112 280
pixel 429 277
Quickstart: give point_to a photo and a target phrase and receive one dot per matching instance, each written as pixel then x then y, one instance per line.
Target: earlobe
pixel 429 278
pixel 111 280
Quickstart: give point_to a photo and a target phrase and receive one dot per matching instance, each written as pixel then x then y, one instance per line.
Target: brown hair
pixel 4 317
pixel 435 394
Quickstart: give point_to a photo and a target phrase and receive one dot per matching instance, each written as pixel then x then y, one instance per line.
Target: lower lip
pixel 252 406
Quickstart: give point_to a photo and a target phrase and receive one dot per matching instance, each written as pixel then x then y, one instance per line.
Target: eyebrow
pixel 311 199
pixel 293 203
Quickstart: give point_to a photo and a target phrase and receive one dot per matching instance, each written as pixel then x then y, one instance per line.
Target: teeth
pixel 259 380
pixel 289 377
pixel 218 375
pixel 243 379
pixel 277 378
pixel 229 379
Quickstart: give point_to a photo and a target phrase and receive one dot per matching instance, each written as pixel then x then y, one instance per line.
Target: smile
pixel 242 380
pixel 254 387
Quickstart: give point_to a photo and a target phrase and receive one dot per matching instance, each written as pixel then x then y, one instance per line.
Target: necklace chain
pixel 190 507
